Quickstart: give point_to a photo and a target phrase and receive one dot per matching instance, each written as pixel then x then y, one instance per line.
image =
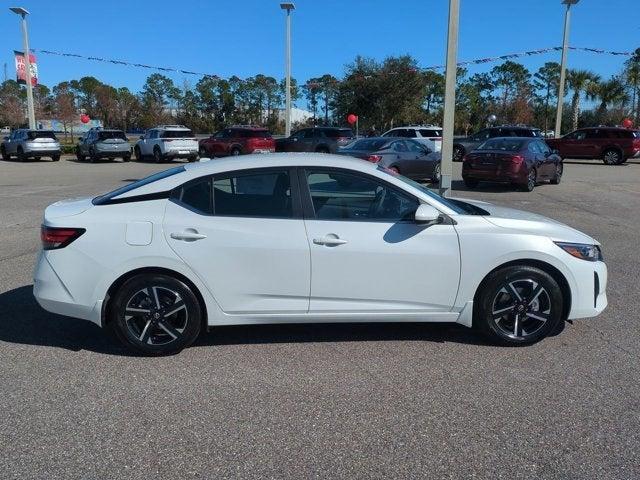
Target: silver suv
pixel 429 135
pixel 166 142
pixel 24 143
pixel 103 143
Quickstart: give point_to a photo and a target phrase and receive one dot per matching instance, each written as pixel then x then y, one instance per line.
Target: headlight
pixel 583 251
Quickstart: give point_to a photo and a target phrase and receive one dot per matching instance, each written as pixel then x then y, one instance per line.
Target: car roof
pixel 246 127
pixel 530 139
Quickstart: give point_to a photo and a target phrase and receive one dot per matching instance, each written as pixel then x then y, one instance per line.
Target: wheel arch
pixel 106 305
pixel 556 274
pixel 613 146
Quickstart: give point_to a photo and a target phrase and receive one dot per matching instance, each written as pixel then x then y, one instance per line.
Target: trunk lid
pixel 490 160
pixel 67 208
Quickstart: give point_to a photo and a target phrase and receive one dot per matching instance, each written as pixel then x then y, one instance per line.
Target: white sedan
pixel 290 238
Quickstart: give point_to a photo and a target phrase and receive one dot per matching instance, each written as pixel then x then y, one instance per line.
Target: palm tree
pixel 580 81
pixel 608 93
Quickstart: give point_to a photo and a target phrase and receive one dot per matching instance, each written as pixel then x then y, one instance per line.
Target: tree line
pixel 383 94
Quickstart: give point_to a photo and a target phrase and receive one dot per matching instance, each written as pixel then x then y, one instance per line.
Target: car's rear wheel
pixel 612 157
pixel 532 178
pixel 458 153
pixel 55 158
pixel 203 152
pixel 138 154
pixel 79 155
pixel 157 155
pixel 518 305
pixel 193 158
pixel 92 156
pixel 21 155
pixel 322 149
pixel 558 175
pixel 470 182
pixel 235 151
pixel 435 176
pixel 126 157
pixel 155 314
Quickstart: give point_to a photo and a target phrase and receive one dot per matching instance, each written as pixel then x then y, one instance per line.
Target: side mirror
pixel 427 214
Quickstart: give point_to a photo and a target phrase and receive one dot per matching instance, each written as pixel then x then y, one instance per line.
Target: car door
pixel 548 161
pixel 538 160
pixel 421 165
pixel 10 145
pixel 401 157
pixel 295 142
pixel 243 235
pixel 571 144
pixel 367 252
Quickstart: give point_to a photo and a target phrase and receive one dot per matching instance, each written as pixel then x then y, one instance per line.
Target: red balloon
pixel 351 118
pixel 84 118
pixel 627 123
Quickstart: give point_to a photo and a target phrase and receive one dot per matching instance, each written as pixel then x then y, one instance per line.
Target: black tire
pixel 203 152
pixel 435 176
pixel 193 158
pixel 235 151
pixel 92 156
pixel 458 153
pixel 5 155
pixel 55 158
pixel 558 175
pixel 157 156
pixel 470 182
pixel 126 158
pixel 510 293
pixel 148 329
pixel 532 180
pixel 138 154
pixel 21 156
pixel 612 156
pixel 79 156
pixel 322 149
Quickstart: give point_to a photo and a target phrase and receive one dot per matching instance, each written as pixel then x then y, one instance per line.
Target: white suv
pixel 428 135
pixel 166 142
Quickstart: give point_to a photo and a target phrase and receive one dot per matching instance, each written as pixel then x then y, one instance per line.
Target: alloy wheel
pixel 521 308
pixel 156 315
pixel 611 157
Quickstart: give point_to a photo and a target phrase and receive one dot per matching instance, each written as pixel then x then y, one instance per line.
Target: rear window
pixel 503 144
pixel 430 133
pixel 40 134
pixel 254 133
pixel 102 199
pixel 177 134
pixel 339 132
pixel 368 144
pixel 109 135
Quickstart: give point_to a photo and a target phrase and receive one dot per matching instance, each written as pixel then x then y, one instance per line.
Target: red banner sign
pixel 21 70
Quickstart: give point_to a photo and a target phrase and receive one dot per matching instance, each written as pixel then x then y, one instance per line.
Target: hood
pixel 67 208
pixel 529 222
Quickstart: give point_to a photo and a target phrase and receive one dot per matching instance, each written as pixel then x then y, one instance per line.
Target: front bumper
pixel 589 297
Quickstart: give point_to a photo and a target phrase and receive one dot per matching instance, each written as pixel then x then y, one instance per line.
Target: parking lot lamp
pixel 287 68
pixel 446 163
pixel 563 65
pixel 27 64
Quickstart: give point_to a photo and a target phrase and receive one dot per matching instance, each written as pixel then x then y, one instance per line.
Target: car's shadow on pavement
pixel 23 321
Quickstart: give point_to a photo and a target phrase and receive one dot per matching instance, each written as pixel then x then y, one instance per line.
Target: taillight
pixel 58 237
pixel 373 158
pixel 517 159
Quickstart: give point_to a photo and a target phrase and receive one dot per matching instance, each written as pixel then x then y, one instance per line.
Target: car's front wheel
pixel 5 155
pixel 155 314
pixel 558 174
pixel 518 305
pixel 138 154
pixel 612 157
pixel 157 155
pixel 435 176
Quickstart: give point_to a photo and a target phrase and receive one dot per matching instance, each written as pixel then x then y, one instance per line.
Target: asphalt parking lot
pixel 322 401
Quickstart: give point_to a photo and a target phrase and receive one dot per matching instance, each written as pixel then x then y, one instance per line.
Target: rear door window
pixel 265 194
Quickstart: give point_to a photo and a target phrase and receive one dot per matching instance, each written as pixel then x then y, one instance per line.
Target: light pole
pixel 287 69
pixel 27 64
pixel 446 162
pixel 563 65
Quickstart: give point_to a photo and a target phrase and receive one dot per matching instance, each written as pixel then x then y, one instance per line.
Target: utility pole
pixel 27 65
pixel 287 68
pixel 563 65
pixel 446 162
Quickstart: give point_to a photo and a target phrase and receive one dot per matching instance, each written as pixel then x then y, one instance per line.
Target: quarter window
pixel 263 194
pixel 196 195
pixel 352 197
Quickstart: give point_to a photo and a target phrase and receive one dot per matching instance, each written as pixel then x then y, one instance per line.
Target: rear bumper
pixel 500 177
pixel 186 153
pixel 52 295
pixel 42 153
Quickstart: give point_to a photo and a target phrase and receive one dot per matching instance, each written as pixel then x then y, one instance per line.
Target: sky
pixel 246 37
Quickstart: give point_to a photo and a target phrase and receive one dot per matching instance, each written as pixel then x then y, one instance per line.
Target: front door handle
pixel 189 235
pixel 330 240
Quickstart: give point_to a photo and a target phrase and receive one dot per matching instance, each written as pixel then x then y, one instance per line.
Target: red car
pixel 237 141
pixel 516 160
pixel 613 145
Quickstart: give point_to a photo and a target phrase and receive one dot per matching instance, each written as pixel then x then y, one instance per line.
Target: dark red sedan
pixel 519 161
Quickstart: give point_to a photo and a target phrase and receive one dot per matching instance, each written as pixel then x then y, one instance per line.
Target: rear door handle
pixel 330 240
pixel 188 235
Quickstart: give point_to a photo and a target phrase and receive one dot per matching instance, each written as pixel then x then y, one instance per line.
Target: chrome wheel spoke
pixel 154 296
pixel 511 290
pixel 167 327
pixel 502 311
pixel 536 293
pixel 517 326
pixel 146 332
pixel 137 310
pixel 175 308
pixel 542 317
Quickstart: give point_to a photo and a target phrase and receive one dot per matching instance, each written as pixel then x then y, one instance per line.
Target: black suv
pixel 316 139
pixel 462 146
